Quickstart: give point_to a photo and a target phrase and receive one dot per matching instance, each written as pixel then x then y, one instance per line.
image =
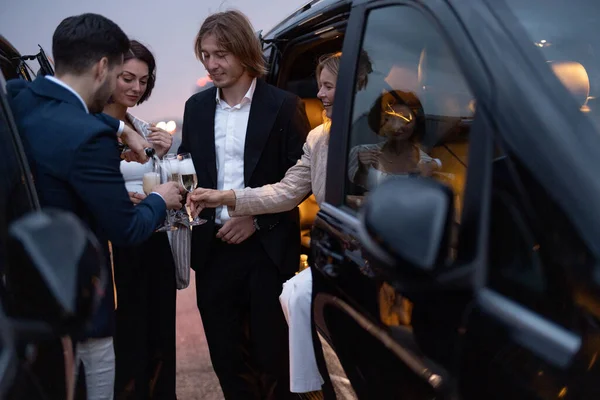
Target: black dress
pixel 145 320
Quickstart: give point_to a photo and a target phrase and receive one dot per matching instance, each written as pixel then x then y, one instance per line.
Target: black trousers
pixel 145 320
pixel 238 297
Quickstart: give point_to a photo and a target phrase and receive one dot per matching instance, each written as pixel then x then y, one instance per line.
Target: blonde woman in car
pixel 307 175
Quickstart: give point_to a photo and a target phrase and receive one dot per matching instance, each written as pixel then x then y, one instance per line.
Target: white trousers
pixel 295 300
pixel 98 358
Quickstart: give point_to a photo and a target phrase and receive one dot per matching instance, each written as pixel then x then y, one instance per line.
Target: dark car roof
pixel 304 13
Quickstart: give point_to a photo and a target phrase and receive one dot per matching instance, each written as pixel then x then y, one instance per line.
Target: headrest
pixel 314 111
pixel 575 78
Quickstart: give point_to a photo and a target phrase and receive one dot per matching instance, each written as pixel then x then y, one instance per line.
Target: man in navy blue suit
pixel 75 159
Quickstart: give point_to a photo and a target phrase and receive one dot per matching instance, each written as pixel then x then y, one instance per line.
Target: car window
pixel 565 34
pixel 412 108
pixel 16 193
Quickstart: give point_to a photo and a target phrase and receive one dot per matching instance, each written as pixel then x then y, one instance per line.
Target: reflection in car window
pixel 412 118
pixel 566 34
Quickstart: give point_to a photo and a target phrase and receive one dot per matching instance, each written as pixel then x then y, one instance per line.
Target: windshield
pixel 567 33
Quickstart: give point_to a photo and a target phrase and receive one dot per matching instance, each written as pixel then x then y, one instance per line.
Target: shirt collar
pixel 247 97
pixel 69 88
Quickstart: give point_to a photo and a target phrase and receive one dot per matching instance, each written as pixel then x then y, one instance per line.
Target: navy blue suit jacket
pixel 75 162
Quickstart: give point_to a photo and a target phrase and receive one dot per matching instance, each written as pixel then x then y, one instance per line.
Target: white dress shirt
pixel 230 139
pixel 70 89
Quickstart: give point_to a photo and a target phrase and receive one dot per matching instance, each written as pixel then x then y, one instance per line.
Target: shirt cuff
pixel 159 195
pixel 120 130
pixel 438 162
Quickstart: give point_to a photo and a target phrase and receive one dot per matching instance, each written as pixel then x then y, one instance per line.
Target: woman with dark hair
pixel 144 274
pixel 398 117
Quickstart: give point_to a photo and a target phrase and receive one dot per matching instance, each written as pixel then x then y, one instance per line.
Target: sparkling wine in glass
pixel 164 170
pixel 150 180
pixel 189 181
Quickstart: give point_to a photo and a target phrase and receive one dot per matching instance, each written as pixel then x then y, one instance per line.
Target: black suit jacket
pixel 75 163
pixel 277 130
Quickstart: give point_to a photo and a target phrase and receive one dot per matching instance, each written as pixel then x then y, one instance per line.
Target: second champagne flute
pixel 189 181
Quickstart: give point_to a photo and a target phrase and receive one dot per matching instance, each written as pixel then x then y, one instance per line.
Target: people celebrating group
pixel 253 163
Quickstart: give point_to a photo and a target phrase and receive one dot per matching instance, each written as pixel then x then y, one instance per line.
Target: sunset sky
pixel 167 27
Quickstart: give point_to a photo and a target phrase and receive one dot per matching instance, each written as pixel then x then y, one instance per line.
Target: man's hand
pixel 136 198
pixel 171 193
pixel 202 198
pixel 160 139
pixel 136 144
pixel 236 230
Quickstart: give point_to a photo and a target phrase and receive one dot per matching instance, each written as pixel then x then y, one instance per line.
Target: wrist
pixel 229 198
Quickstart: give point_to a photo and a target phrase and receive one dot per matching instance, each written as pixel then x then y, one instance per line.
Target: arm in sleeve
pixel 297 130
pixel 357 172
pixel 96 178
pixel 113 123
pixel 278 197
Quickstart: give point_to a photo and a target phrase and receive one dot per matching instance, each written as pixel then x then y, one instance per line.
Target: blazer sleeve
pixel 297 130
pixel 113 123
pixel 278 197
pixel 184 147
pixel 97 180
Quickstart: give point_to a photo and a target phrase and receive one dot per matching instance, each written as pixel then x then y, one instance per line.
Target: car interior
pixel 298 76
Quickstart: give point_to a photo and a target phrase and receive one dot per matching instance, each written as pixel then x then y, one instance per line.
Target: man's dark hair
pixel 81 41
pixel 140 52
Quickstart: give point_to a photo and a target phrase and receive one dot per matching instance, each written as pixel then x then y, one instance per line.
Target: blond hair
pixel 332 63
pixel 234 33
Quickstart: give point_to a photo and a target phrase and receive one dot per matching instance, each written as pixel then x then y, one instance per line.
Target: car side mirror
pixel 56 270
pixel 406 225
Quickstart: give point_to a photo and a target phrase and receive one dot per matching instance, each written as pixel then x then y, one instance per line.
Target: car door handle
pixel 546 339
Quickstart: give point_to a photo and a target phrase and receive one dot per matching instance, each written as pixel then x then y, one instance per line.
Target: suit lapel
pixel 205 125
pixel 45 87
pixel 263 113
pixel 201 130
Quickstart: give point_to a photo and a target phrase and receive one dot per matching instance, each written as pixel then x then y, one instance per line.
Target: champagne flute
pixel 150 180
pixel 166 175
pixel 189 180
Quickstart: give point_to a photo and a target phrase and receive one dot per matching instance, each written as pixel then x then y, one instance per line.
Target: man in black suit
pixel 243 132
pixel 75 159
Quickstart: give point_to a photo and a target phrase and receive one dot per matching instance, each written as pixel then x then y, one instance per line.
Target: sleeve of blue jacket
pixel 97 179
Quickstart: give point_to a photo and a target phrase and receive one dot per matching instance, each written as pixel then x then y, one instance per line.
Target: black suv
pixel 481 280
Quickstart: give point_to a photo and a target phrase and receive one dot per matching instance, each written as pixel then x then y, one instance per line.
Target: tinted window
pixel 566 34
pixel 412 111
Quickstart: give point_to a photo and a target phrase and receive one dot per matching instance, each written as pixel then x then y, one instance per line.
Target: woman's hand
pixel 160 139
pixel 427 168
pixel 136 144
pixel 202 198
pixel 369 157
pixel 136 198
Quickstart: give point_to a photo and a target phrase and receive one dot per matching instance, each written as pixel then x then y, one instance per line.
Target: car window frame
pixel 18 148
pixel 469 64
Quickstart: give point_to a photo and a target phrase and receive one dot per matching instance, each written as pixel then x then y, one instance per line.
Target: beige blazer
pixel 307 175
